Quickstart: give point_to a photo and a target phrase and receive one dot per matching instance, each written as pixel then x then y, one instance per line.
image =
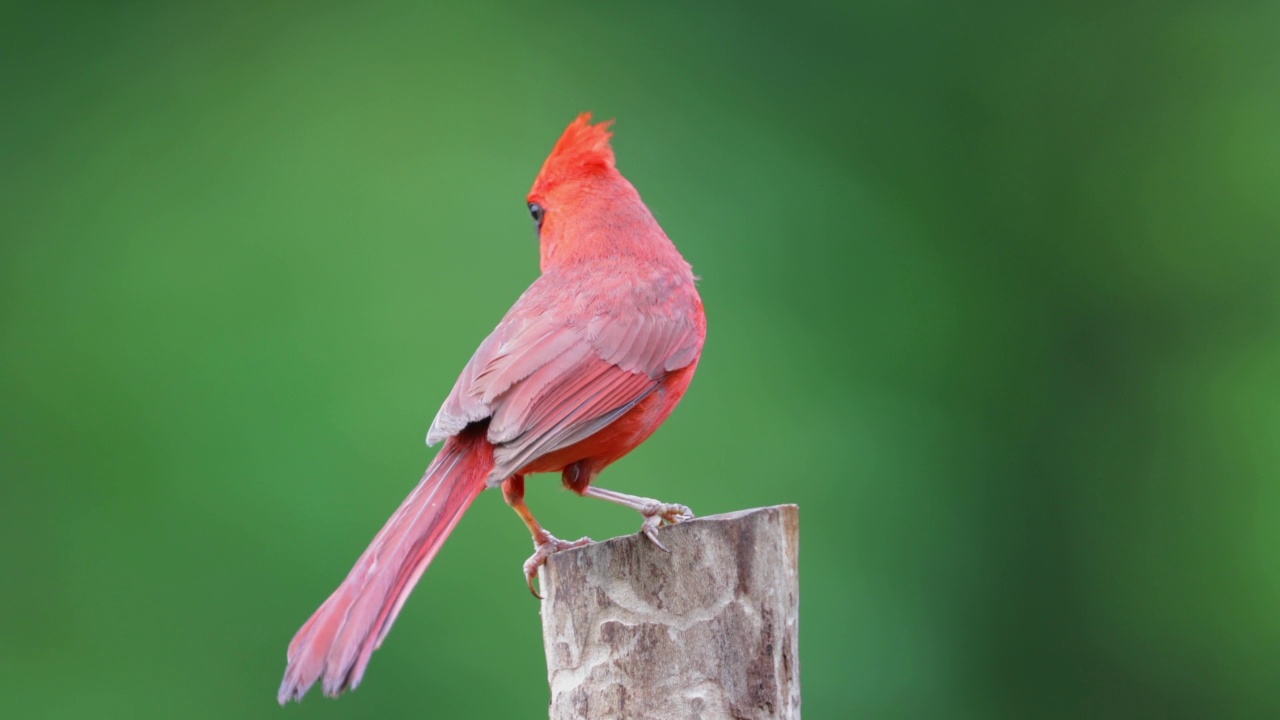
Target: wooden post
pixel 709 630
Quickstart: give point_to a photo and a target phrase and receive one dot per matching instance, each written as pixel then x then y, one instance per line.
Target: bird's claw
pixel 659 514
pixel 544 546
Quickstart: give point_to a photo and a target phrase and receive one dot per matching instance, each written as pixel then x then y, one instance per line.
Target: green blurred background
pixel 993 289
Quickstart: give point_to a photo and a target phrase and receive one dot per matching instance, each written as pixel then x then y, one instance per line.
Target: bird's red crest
pixel 582 150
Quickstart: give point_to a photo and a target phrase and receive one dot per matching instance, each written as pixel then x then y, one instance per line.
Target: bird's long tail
pixel 340 636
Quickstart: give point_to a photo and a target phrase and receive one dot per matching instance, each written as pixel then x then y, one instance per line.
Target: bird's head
pixel 581 205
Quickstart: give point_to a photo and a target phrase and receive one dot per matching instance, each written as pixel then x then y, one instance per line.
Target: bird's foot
pixel 657 514
pixel 544 546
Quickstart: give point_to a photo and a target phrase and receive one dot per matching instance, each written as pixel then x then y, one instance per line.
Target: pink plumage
pixel 585 366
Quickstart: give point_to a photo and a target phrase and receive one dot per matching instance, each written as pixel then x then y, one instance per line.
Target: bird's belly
pixel 622 435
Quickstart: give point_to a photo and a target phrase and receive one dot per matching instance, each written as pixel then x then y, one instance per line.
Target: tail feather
pixel 338 639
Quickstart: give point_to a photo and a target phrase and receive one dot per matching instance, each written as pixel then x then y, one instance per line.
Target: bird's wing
pixel 548 379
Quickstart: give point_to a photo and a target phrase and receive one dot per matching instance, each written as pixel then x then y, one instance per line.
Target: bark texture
pixel 709 630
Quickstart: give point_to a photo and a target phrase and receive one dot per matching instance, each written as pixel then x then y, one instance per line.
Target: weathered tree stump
pixel 709 630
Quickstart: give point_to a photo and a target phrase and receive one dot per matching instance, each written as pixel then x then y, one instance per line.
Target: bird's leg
pixel 655 513
pixel 544 543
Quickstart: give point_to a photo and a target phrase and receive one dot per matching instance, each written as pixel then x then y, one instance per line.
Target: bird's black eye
pixel 536 212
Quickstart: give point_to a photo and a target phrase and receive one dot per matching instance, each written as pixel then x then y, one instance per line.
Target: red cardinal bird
pixel 589 362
